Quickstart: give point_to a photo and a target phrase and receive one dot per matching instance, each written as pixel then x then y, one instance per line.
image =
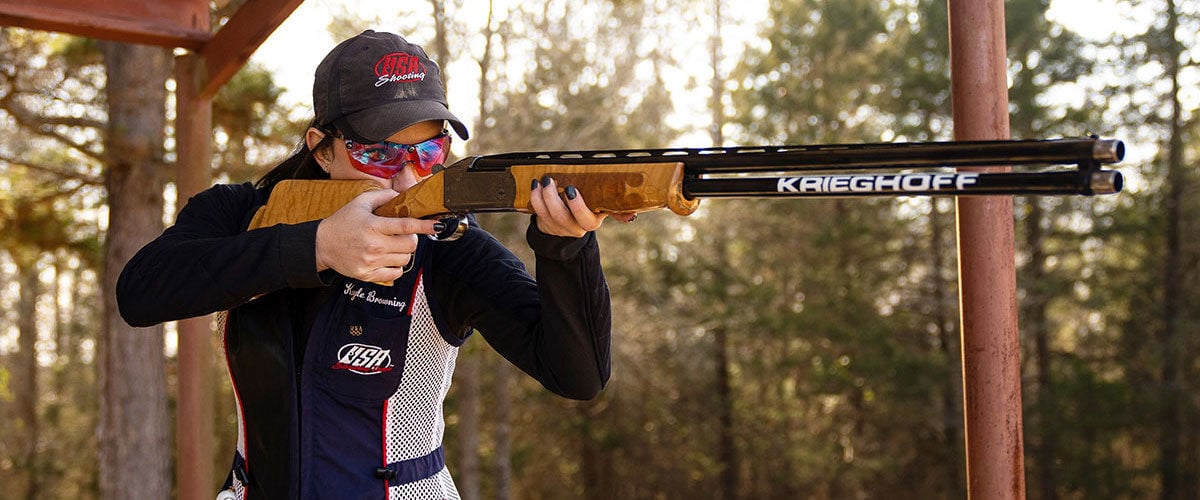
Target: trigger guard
pixel 456 226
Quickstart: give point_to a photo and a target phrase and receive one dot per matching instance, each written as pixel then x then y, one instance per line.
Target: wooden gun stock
pixel 296 201
pixel 614 188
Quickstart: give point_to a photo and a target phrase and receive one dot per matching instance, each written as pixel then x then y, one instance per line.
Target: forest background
pixel 762 349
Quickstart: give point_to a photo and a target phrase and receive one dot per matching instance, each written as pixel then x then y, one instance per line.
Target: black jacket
pixel 555 328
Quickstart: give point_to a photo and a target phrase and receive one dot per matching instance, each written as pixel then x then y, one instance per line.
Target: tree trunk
pixel 485 85
pixel 1036 325
pixel 504 375
pixel 595 455
pixel 467 373
pixel 1170 418
pixel 951 401
pixel 134 442
pixel 25 374
pixel 715 106
pixel 726 450
pixel 441 50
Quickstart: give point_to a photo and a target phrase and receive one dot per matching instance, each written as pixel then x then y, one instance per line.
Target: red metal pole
pixel 194 436
pixel 987 271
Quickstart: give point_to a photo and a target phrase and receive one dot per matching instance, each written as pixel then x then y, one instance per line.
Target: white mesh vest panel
pixel 414 423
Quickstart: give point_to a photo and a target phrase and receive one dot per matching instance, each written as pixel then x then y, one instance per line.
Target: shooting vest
pixel 367 419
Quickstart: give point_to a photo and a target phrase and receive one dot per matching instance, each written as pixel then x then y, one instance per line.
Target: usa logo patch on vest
pixel 364 359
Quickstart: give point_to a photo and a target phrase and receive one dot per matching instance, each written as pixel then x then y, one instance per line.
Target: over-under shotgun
pixel 638 180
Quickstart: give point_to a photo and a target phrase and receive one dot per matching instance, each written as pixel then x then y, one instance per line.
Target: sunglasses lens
pixel 430 153
pixel 383 153
pixel 386 159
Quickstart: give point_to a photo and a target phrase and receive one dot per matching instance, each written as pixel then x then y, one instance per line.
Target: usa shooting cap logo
pixel 364 359
pixel 399 67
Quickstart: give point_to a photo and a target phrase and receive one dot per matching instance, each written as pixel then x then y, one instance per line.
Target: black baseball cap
pixel 376 84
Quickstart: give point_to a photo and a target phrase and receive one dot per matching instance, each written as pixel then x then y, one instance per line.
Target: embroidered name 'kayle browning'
pixel 357 293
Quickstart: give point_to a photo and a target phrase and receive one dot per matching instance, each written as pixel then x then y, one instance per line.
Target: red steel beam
pixel 170 23
pixel 987 269
pixel 194 424
pixel 201 74
pixel 237 40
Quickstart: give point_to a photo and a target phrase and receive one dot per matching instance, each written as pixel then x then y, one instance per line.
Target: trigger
pixel 456 226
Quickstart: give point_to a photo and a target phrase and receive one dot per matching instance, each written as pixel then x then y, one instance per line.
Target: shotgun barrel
pixel 620 180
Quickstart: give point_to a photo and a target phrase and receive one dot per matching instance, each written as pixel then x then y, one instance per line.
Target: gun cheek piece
pixel 456 226
pixel 677 200
pixel 683 205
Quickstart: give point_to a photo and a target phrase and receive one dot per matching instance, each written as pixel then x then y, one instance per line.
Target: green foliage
pixel 830 324
pixel 580 88
pixel 5 392
pixel 253 129
pixel 824 74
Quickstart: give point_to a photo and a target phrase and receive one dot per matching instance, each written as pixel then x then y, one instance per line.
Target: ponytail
pixel 300 165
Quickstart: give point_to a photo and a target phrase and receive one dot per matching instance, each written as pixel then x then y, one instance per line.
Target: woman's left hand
pixel 571 218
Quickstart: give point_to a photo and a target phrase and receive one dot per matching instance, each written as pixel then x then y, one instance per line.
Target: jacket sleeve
pixel 555 328
pixel 208 262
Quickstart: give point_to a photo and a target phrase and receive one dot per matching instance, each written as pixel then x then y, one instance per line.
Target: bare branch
pixel 55 170
pixel 44 126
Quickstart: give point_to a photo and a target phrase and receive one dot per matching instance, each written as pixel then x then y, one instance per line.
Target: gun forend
pixel 618 188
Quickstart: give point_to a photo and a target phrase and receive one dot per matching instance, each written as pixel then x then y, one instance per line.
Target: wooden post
pixel 194 415
pixel 987 271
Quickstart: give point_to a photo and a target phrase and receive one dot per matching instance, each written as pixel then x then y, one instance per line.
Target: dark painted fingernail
pixel 439 227
pixel 534 185
pixel 545 180
pixel 570 190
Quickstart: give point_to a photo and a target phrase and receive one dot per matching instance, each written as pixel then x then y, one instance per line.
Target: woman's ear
pixel 324 157
pixel 313 136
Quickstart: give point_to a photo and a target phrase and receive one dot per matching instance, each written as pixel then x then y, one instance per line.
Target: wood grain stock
pixel 296 201
pixel 617 188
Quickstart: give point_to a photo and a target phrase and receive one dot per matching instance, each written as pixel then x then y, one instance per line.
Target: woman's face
pixel 336 160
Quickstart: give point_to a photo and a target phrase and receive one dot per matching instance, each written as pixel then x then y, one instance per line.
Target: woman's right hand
pixel 361 245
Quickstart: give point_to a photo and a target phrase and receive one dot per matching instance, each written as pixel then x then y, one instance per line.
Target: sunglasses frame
pixel 407 154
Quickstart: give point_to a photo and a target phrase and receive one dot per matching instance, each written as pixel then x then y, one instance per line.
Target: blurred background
pixel 762 349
